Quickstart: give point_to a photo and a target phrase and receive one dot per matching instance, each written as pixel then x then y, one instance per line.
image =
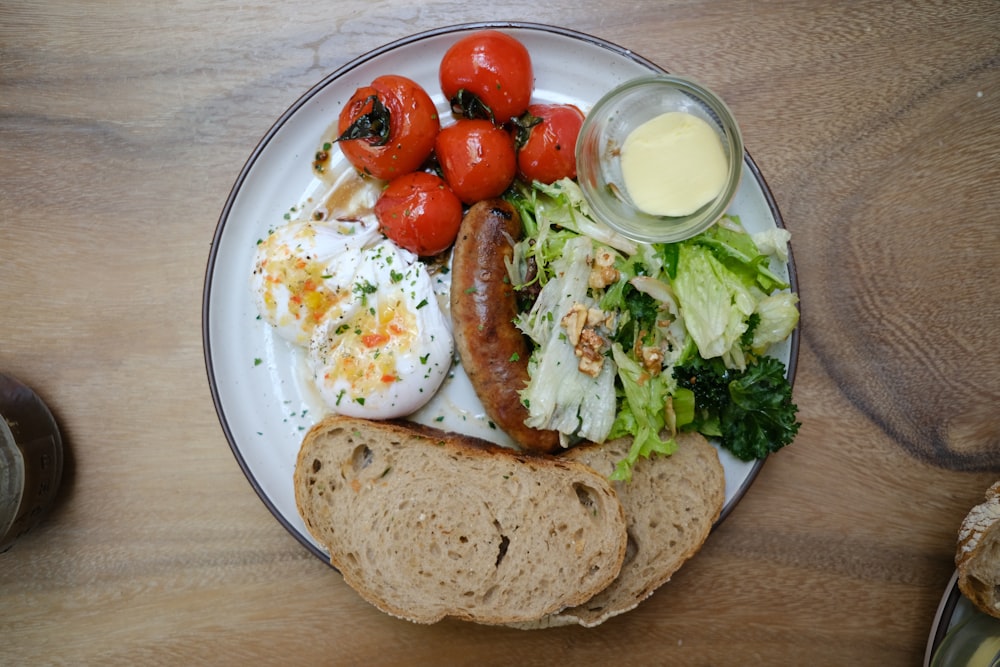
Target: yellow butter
pixel 986 654
pixel 673 164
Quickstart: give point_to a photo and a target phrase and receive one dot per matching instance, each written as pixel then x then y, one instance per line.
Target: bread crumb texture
pixel 670 505
pixel 977 557
pixel 431 527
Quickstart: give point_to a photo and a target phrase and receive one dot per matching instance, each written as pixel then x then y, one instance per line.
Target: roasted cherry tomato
pixel 419 212
pixel 477 159
pixel 387 129
pixel 487 75
pixel 546 142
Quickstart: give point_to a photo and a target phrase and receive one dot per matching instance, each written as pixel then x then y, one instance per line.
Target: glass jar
pixel 31 460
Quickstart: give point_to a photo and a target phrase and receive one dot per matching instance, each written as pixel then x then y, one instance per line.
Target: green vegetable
pixel 642 415
pixel 776 317
pixel 551 215
pixel 683 327
pixel 739 253
pixel 750 411
pixel 639 312
pixel 714 302
pixel 729 296
pixel 558 395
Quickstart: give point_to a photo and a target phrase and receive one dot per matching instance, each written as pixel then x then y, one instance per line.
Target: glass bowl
pixel 604 133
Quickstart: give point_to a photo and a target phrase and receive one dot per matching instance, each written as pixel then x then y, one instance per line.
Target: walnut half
pixel 588 344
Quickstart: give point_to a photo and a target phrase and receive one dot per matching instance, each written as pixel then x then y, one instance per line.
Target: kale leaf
pixel 751 411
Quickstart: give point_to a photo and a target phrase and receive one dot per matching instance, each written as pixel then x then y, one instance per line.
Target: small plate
pixel 953 611
pixel 259 384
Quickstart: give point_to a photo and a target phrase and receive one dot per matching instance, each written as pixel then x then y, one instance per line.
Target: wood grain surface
pixel 123 126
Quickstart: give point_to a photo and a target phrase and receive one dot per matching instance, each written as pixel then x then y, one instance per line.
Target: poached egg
pixel 304 271
pixel 373 329
pixel 389 356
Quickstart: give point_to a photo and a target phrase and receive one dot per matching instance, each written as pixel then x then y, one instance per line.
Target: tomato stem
pixel 523 125
pixel 468 105
pixel 373 125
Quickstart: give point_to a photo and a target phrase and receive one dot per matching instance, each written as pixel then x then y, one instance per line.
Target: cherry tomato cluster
pixel 390 130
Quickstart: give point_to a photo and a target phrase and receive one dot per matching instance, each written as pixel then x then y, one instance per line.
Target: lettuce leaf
pixel 714 303
pixel 558 395
pixel 642 414
pixel 777 318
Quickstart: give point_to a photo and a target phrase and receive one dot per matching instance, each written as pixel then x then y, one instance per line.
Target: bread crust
pixel 977 556
pixel 670 505
pixel 426 524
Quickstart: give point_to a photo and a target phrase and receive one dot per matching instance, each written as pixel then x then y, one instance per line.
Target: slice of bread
pixel 426 525
pixel 670 505
pixel 978 555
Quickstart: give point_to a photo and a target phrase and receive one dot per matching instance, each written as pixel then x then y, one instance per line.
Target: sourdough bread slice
pixel 426 525
pixel 670 506
pixel 978 555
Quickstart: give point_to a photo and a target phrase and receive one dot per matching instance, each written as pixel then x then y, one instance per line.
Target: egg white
pixel 388 355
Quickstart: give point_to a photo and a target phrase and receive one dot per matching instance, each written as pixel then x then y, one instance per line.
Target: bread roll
pixel 978 555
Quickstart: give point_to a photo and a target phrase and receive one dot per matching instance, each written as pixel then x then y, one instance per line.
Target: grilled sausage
pixel 492 349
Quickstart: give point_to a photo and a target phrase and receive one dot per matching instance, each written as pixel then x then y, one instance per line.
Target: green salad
pixel 676 333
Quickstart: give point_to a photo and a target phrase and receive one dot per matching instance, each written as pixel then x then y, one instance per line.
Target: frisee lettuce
pixel 558 396
pixel 713 298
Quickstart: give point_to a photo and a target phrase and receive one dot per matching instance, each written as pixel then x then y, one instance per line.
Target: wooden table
pixel 122 128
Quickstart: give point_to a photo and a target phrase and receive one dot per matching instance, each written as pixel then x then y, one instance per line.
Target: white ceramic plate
pixel 259 384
